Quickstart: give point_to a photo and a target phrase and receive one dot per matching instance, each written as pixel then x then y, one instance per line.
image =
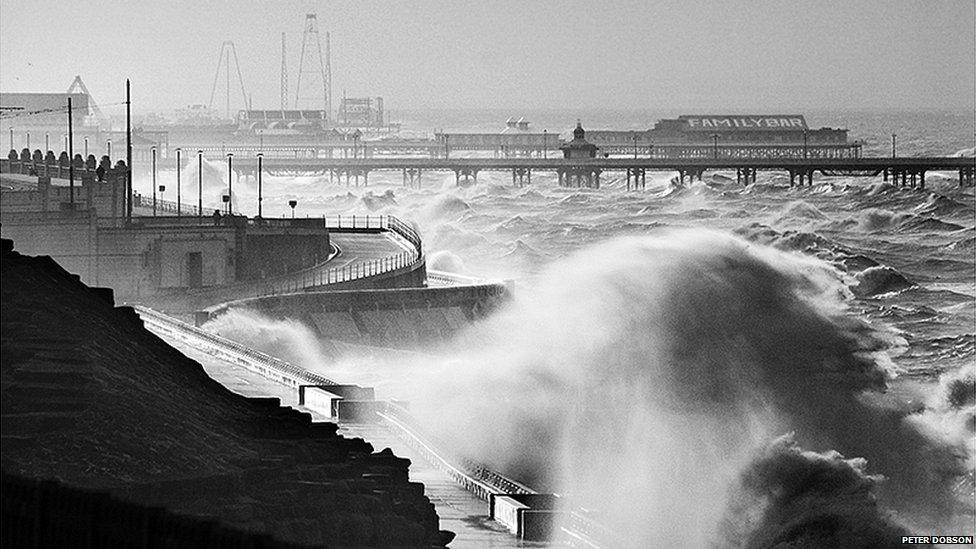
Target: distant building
pixel 688 129
pixel 364 112
pixel 517 138
pixel 44 111
pixel 579 147
pixel 284 122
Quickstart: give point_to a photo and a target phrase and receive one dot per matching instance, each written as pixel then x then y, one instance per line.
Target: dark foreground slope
pixel 93 400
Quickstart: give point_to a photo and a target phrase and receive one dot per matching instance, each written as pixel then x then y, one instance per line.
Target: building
pixel 44 112
pixel 756 135
pixel 516 139
pixel 364 112
pixel 579 147
pixel 146 256
pixel 282 122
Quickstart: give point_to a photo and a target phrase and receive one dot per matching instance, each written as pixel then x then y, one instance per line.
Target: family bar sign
pixel 745 122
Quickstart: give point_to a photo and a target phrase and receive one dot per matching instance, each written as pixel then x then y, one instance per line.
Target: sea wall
pixel 398 317
pixel 93 399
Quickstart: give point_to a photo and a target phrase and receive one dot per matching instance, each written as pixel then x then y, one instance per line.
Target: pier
pixel 908 171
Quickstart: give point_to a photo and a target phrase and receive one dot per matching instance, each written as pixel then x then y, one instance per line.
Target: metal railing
pixel 166 206
pixel 318 276
pixel 470 475
pixel 474 477
pixel 237 353
pixel 444 278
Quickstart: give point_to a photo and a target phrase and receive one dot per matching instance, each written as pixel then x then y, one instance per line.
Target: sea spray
pixel 641 376
pixel 287 339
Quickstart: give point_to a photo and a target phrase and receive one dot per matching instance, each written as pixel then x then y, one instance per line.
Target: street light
pixel 47 141
pixel 545 143
pixel 162 189
pixel 152 151
pixel 230 180
pixel 200 184
pixel 804 143
pixel 108 145
pixel 893 137
pixel 179 194
pixel 28 140
pixel 447 149
pixel 260 195
pixel 293 203
pixel 11 139
pixel 86 147
pixel 715 141
pixel 635 145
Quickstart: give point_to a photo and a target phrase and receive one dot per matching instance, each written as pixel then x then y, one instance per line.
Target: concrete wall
pixel 70 237
pixel 25 193
pixel 401 318
pixel 268 253
pixel 174 258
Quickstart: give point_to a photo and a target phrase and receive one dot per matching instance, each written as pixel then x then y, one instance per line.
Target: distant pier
pixel 908 171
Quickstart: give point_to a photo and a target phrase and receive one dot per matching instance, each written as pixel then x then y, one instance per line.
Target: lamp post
pixel 11 139
pixel 230 180
pixel 805 144
pixel 545 143
pixel 293 203
pixel 447 149
pixel 47 141
pixel 179 193
pixel 715 145
pixel 260 193
pixel 200 184
pixel 86 147
pixel 162 189
pixel 894 136
pixel 635 145
pixel 108 146
pixel 152 152
pixel 28 140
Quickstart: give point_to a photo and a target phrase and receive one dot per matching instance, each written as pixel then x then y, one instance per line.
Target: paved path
pixel 459 510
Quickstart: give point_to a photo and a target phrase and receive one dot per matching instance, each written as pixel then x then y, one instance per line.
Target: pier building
pixel 776 135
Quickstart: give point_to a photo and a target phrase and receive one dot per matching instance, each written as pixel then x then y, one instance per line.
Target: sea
pixel 706 363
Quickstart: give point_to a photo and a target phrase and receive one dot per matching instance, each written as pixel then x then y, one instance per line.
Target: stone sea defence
pixel 104 409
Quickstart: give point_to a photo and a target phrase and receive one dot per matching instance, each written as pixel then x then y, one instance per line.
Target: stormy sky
pixel 746 55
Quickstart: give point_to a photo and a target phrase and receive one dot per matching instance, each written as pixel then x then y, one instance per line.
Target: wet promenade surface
pixel 459 510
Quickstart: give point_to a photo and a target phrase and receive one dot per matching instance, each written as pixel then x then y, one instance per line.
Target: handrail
pixel 230 347
pixel 320 275
pixel 496 483
pixel 453 279
pixel 472 476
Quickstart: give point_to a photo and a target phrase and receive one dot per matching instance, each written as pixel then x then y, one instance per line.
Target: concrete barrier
pixel 531 517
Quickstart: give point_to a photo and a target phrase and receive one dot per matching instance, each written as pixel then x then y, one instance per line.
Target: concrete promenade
pixel 459 510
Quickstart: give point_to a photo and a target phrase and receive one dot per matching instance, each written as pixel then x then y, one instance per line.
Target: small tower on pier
pixel 584 174
pixel 579 147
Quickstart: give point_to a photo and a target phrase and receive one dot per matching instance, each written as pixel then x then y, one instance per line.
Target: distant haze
pixel 750 55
